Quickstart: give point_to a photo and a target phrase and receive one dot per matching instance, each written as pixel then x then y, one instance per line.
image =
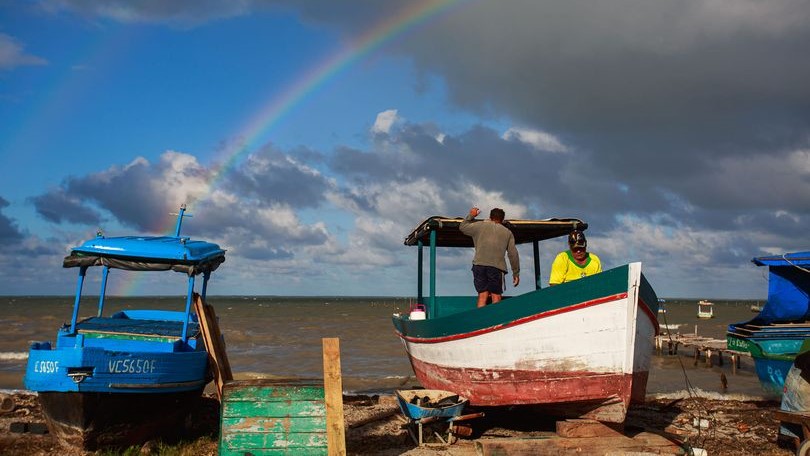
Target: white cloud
pixel 385 120
pixel 486 200
pixel 12 54
pixel 540 140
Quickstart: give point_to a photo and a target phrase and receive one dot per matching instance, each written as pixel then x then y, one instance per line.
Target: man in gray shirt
pixel 491 240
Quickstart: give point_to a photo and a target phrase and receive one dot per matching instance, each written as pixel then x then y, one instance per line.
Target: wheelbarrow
pixel 423 407
pixel 802 444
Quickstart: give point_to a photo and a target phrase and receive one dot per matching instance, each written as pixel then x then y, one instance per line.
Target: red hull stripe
pixel 493 387
pixel 519 321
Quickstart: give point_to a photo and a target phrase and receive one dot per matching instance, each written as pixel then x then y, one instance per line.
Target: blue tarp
pixel 788 288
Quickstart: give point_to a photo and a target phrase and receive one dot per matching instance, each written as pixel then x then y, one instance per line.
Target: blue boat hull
pixel 120 380
pixel 95 421
pixel 772 373
pixel 97 370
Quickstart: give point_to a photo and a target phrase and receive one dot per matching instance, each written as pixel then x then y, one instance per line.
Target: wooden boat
pixel 579 349
pixel 705 309
pixel 775 336
pixel 123 379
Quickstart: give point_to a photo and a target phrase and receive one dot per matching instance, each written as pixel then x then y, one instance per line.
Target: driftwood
pixel 7 404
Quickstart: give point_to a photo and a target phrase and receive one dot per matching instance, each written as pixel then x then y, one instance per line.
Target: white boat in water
pixel 705 309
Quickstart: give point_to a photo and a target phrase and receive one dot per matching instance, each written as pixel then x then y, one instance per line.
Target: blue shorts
pixel 487 278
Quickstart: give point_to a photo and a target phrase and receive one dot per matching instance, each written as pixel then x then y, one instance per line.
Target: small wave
pixel 13 356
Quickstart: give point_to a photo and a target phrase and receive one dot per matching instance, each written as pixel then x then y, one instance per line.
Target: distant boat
pixel 705 309
pixel 756 308
pixel 775 336
pixel 123 379
pixel 578 349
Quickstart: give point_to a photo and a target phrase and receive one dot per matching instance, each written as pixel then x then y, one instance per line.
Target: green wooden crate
pixel 269 417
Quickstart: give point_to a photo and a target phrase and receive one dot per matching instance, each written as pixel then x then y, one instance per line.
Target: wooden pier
pixel 704 347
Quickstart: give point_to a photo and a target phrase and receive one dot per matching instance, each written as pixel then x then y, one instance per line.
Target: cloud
pixel 9 233
pixel 538 139
pixel 13 55
pixel 182 12
pixel 384 122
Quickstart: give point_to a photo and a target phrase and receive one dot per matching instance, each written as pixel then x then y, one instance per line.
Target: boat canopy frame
pixel 145 253
pixel 439 231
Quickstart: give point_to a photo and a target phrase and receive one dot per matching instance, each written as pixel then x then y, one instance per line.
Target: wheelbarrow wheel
pixel 804 448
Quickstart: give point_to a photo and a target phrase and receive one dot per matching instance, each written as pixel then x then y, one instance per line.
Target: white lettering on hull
pixel 46 367
pixel 132 366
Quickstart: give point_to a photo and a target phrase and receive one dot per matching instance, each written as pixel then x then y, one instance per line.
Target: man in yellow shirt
pixel 574 263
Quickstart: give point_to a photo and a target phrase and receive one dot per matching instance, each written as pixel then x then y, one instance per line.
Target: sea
pixel 281 337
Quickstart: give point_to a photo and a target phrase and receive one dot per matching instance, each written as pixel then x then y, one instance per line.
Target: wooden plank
pixel 333 393
pixel 212 338
pixel 315 451
pixel 275 424
pixel 280 392
pixel 644 442
pixel 587 428
pixel 288 440
pixel 282 409
pixel 219 342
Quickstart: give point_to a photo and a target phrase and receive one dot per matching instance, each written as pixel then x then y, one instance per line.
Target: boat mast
pixel 180 216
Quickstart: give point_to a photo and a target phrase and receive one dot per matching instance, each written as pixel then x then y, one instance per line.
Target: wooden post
pixel 333 392
pixel 709 357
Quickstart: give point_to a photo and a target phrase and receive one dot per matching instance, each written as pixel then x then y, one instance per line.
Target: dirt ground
pixel 375 426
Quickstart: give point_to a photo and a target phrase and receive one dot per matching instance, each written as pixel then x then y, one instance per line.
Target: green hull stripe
pixel 608 283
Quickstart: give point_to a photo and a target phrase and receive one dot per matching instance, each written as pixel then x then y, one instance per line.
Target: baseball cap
pixel 577 239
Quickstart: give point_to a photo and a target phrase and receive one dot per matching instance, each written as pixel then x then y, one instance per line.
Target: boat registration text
pixel 132 366
pixel 46 367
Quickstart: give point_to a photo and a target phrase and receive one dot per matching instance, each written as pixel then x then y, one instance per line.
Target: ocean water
pixel 281 337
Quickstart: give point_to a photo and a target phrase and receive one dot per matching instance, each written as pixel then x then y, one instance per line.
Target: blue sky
pixel 679 132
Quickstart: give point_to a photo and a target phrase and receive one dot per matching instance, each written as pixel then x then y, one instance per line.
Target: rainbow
pixel 406 19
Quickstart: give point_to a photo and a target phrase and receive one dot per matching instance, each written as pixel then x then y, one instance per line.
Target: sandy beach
pixel 374 425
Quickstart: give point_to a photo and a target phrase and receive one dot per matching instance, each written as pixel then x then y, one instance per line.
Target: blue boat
pixel 775 336
pixel 123 379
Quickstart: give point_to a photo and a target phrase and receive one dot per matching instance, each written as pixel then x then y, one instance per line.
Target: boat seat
pixel 133 327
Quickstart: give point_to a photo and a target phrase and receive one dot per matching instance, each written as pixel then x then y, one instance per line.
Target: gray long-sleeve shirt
pixel 491 240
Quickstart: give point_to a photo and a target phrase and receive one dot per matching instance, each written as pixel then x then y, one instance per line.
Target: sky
pixel 308 138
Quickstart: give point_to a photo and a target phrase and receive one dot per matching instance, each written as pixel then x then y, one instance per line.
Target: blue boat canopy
pixel 788 288
pixel 148 253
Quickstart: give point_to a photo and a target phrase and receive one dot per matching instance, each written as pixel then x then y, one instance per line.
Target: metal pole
pixel 432 311
pixel 179 220
pixel 536 248
pixel 419 273
pixel 79 284
pixel 103 291
pixel 189 297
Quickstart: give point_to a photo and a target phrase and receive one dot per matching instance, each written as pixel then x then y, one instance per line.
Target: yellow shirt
pixel 565 268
